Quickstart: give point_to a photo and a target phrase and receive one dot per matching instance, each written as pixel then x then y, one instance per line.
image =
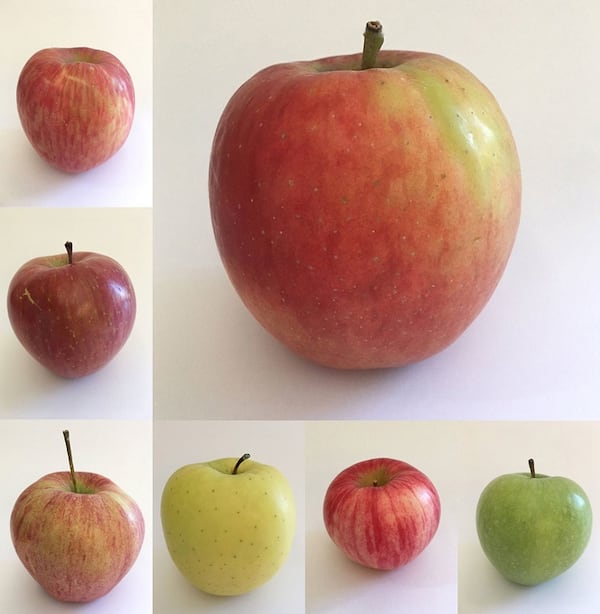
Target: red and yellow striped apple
pixel 365 215
pixel 76 533
pixel 76 106
pixel 381 512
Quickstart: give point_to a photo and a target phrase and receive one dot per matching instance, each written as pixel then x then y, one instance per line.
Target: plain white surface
pixel 336 585
pixel 122 452
pixel 280 444
pixel 122 388
pixel 534 350
pixel 125 30
pixel 487 450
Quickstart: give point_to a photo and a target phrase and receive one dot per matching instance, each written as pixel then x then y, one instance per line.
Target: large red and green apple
pixel 228 524
pixel 533 527
pixel 76 106
pixel 365 212
pixel 72 312
pixel 382 512
pixel 76 533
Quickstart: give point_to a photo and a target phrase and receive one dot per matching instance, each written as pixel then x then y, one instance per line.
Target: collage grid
pixel 199 378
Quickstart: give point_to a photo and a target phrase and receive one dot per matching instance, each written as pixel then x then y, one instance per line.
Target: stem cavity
pixel 373 40
pixel 240 461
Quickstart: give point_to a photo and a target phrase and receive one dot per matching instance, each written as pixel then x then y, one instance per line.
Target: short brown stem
pixel 69 248
pixel 531 467
pixel 240 461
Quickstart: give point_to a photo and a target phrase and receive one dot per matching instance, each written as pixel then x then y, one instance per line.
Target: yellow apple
pixel 228 523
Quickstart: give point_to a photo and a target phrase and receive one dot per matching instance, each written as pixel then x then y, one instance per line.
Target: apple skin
pixel 228 534
pixel 72 318
pixel 383 526
pixel 533 529
pixel 76 106
pixel 364 217
pixel 77 546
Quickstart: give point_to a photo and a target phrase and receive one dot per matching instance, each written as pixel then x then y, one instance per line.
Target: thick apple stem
pixel 375 483
pixel 531 467
pixel 70 457
pixel 373 39
pixel 240 461
pixel 69 248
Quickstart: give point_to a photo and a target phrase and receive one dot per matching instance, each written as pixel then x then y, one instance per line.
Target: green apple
pixel 228 523
pixel 533 527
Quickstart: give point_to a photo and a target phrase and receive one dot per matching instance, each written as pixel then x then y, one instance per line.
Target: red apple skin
pixel 76 106
pixel 365 217
pixel 76 546
pixel 384 526
pixel 72 318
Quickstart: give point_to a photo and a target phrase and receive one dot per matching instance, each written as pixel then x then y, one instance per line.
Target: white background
pixel 279 444
pixel 116 450
pixel 125 30
pixel 336 585
pixel 487 450
pixel 533 354
pixel 535 349
pixel 122 388
pixel 460 458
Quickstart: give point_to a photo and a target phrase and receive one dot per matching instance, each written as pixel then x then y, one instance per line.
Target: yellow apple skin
pixel 228 533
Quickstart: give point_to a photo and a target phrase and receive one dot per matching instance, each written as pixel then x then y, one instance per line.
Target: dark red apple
pixel 76 106
pixel 72 312
pixel 381 512
pixel 365 216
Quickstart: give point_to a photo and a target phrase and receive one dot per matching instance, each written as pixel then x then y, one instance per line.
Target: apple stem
pixel 240 461
pixel 531 467
pixel 373 39
pixel 69 248
pixel 375 483
pixel 70 457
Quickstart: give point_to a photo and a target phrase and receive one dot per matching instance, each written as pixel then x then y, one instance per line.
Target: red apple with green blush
pixel 365 206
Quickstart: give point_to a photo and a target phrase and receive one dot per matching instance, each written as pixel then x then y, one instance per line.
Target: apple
pixel 76 106
pixel 364 216
pixel 228 523
pixel 533 527
pixel 381 512
pixel 76 533
pixel 72 312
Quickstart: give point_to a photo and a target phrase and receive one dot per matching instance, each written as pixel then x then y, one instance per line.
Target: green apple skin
pixel 533 529
pixel 228 533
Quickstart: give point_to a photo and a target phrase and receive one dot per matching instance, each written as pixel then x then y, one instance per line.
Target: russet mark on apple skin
pixel 77 331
